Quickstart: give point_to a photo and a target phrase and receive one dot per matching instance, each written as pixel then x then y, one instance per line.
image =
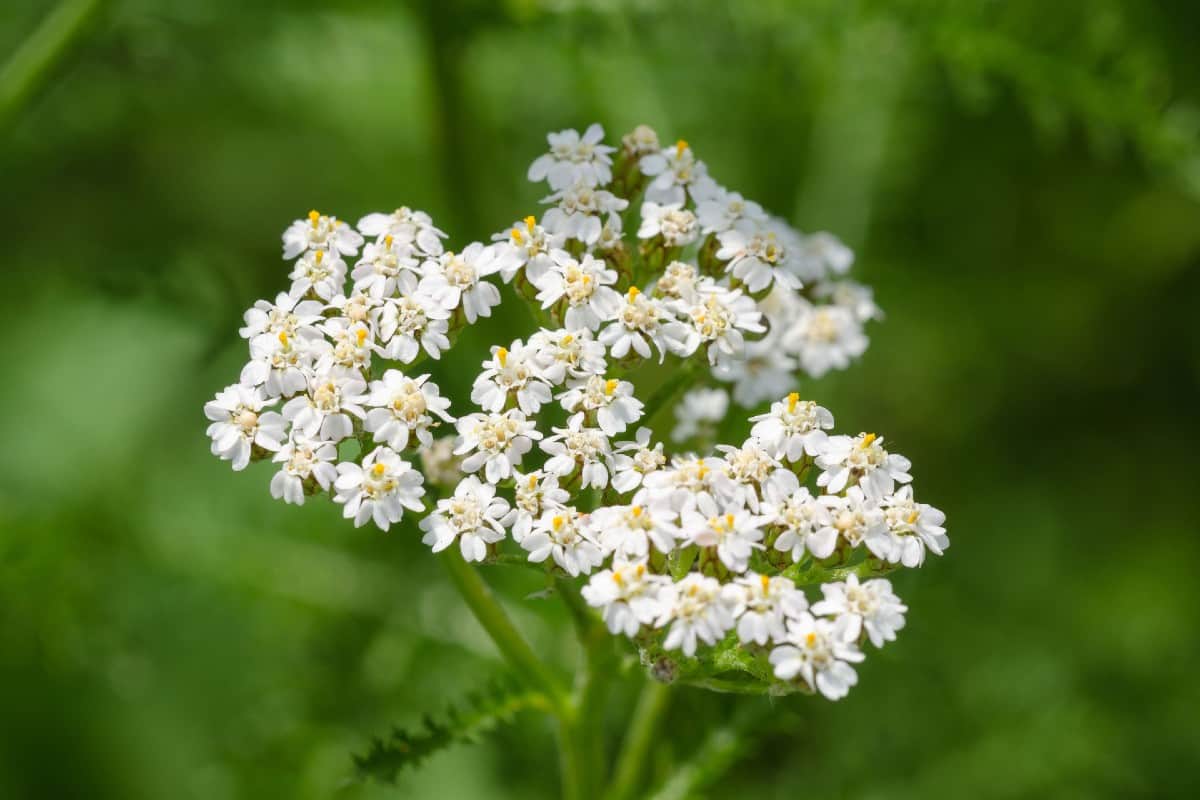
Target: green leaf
pixel 478 714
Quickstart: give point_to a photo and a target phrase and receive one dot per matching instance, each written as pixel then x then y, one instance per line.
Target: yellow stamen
pixel 636 511
pixel 868 438
pixel 729 520
pixel 361 333
pixel 680 146
pixel 378 469
pixel 283 338
pixel 641 570
pixel 811 639
pixel 319 256
pixel 566 340
pixel 793 398
pixel 766 581
pixel 516 235
pixel 387 241
pixel 617 579
pixel 502 356
pixel 314 217
pixel 557 522
pixel 913 517
pixel 701 471
pixel 530 221
pixel 633 293
pixel 610 386
pixel 532 482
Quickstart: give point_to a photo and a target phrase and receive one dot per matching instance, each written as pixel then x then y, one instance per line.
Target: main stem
pixel 492 616
pixel 651 705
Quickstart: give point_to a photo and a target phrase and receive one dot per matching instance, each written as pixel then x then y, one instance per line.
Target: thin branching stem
pixel 650 709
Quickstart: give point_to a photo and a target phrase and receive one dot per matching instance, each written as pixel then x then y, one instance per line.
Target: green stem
pixel 31 64
pixel 592 684
pixel 651 706
pixel 499 627
pixel 719 751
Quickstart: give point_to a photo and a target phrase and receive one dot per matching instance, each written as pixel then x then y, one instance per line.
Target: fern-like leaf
pixel 479 713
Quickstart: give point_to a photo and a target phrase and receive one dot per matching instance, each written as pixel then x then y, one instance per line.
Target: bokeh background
pixel 1021 181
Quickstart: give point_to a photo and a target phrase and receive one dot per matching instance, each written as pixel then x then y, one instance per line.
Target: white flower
pixel 859 521
pixel 629 470
pixel 721 210
pixel 535 493
pixel 820 254
pixel 320 272
pixel 689 478
pixel 563 354
pixel 574 158
pixel 322 411
pixel 825 338
pixel 861 460
pixel 678 281
pixel 239 423
pixel 532 245
pixel 609 402
pixel 859 299
pixel 673 169
pixel 441 466
pixel 511 373
pixel 411 323
pixel 456 279
pixel 870 606
pixel 641 140
pixel 387 266
pixel 628 595
pixel 564 534
pixel 401 406
pixel 406 226
pixel 380 489
pixel 586 286
pixel 473 515
pixel 304 460
pixel 765 371
pixel 767 604
pixel 721 318
pixel 748 468
pixel 352 345
pixel 287 314
pixel 579 446
pixel 698 609
pixel 807 523
pixel 628 531
pixel 820 652
pixel 793 428
pixel 916 526
pixel 697 407
pixel 733 531
pixel 756 257
pixel 674 223
pixel 640 322
pixel 579 212
pixel 320 233
pixel 282 364
pixel 495 442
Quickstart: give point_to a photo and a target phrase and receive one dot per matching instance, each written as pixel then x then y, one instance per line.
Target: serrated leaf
pixel 479 713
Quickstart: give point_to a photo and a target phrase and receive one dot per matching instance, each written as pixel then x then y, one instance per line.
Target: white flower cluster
pixel 682 553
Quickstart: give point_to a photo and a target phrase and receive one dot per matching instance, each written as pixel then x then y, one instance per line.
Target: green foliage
pixel 1014 178
pixel 479 713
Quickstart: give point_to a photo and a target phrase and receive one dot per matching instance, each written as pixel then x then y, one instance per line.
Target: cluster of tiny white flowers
pixel 683 551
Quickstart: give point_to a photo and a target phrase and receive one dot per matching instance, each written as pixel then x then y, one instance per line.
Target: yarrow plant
pixel 750 567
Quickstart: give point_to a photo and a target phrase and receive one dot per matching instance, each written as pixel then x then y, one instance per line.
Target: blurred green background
pixel 1021 181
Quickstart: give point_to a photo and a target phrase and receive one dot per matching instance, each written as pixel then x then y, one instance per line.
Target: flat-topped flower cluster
pixel 641 256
